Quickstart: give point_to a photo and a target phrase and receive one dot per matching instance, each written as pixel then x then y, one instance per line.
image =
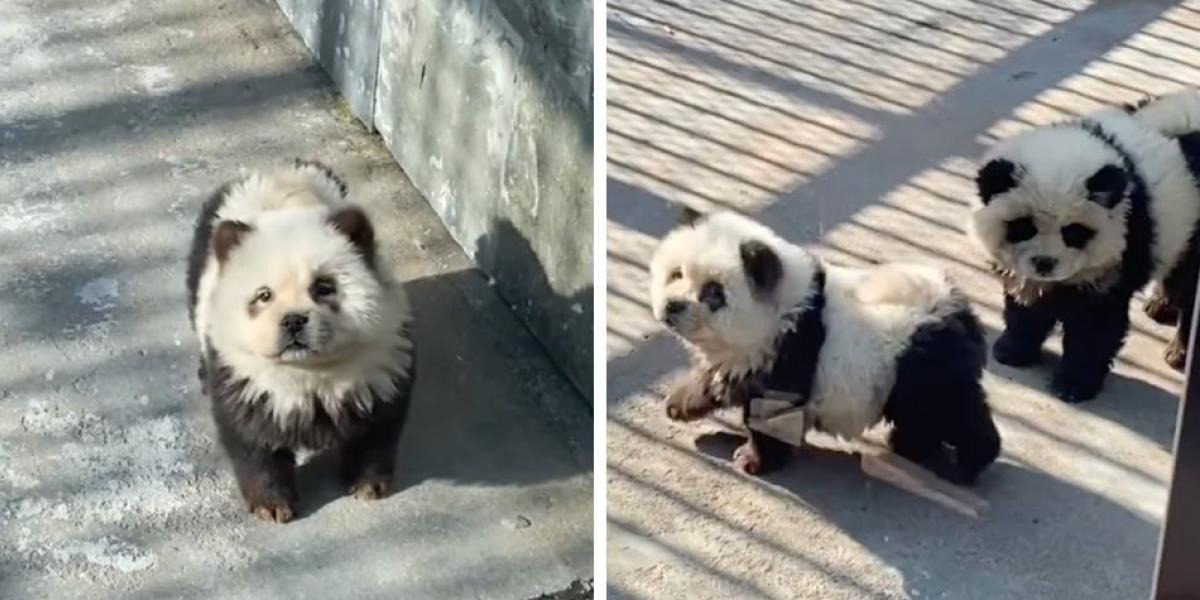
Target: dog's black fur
pixel 938 401
pixel 261 449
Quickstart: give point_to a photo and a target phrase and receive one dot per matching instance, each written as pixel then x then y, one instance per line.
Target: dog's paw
pixel 273 511
pixel 1175 355
pixel 369 489
pixel 1008 351
pixel 1160 310
pixel 1071 388
pixel 685 402
pixel 746 459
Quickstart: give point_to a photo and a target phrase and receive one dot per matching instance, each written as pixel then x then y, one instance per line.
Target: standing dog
pixel 1077 217
pixel 304 336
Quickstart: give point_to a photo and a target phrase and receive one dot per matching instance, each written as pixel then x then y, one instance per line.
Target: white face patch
pixel 295 291
pixel 699 288
pixel 1056 210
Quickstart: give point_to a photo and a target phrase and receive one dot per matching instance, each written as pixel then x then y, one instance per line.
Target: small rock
pixel 515 523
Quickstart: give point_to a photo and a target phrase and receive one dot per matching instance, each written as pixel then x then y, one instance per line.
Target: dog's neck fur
pixel 799 347
pixel 352 383
pixel 789 362
pixel 1028 291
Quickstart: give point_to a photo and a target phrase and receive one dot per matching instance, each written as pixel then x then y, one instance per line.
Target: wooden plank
pixel 915 479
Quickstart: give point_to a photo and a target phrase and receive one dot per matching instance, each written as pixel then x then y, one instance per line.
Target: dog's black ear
pixel 354 224
pixel 227 236
pixel 1107 186
pixel 762 266
pixel 996 177
pixel 688 215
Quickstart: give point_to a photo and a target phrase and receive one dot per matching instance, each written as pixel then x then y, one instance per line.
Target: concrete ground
pixel 852 125
pixel 116 120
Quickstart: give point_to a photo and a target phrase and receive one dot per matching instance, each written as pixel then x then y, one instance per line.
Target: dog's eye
pixel 1077 235
pixel 674 275
pixel 713 294
pixel 263 295
pixel 323 287
pixel 1019 230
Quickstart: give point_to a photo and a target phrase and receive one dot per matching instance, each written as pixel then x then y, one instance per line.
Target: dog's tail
pixel 1172 115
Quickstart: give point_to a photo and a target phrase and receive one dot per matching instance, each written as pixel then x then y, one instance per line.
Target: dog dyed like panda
pixel 1174 115
pixel 303 334
pixel 855 347
pixel 1076 217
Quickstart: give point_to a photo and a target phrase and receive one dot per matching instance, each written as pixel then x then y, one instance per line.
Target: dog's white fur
pixel 870 314
pixel 1173 114
pixel 356 351
pixel 1053 164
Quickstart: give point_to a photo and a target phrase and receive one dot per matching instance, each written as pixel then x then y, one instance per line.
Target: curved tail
pixel 1172 115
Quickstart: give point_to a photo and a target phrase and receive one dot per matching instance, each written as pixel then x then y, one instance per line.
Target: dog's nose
pixel 675 308
pixel 294 322
pixel 1044 264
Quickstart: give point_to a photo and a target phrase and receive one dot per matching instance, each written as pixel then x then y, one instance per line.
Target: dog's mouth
pixel 295 350
pixel 1053 277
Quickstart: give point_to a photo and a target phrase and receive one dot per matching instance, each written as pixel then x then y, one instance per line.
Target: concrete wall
pixel 487 105
pixel 343 36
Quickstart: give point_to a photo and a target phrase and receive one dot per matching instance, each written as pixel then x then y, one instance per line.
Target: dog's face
pixel 299 287
pixel 713 283
pixel 1052 205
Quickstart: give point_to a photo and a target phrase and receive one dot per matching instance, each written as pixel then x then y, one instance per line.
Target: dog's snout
pixel 294 322
pixel 1044 264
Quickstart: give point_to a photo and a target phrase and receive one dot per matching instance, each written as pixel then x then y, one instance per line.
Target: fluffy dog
pixel 1175 115
pixel 304 336
pixel 853 346
pixel 1077 217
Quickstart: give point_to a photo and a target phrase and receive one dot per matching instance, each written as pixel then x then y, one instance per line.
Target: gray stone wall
pixel 343 36
pixel 487 105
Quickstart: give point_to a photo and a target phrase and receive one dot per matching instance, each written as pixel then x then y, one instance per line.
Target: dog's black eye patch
pixel 712 294
pixel 1077 235
pixel 1019 230
pixel 322 288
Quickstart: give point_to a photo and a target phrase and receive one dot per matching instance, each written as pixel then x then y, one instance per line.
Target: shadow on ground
pixel 519 273
pixel 881 518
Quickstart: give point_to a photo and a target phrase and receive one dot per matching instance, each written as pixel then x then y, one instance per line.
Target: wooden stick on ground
pixel 915 479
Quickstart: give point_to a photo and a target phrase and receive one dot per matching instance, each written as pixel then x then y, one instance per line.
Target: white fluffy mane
pixel 288 211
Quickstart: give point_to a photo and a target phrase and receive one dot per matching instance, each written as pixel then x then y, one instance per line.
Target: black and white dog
pixel 304 335
pixel 853 346
pixel 1077 217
